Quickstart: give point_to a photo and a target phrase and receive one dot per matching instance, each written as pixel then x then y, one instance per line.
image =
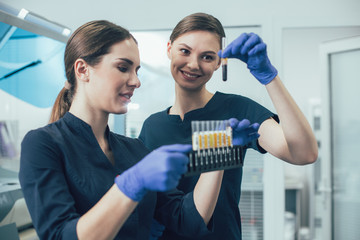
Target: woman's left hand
pixel 250 48
pixel 243 131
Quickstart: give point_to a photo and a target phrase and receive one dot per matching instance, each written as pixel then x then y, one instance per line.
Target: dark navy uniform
pixel 161 129
pixel 64 173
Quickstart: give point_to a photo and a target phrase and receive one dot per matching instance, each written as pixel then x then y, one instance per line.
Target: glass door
pixel 340 185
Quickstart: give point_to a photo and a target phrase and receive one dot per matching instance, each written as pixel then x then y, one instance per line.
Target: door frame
pixel 326 184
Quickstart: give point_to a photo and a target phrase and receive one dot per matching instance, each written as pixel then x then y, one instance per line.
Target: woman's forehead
pixel 199 38
pixel 126 49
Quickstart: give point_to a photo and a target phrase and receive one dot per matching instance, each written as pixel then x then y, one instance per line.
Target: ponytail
pixel 62 104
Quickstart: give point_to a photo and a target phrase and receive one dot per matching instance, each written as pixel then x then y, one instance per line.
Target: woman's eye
pixel 122 69
pixel 185 51
pixel 208 57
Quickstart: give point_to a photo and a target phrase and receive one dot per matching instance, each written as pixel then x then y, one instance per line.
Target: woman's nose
pixel 193 63
pixel 134 81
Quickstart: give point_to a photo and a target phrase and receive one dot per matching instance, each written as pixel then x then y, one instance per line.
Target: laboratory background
pixel 315 45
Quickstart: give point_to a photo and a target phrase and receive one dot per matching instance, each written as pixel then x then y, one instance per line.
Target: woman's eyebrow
pixel 210 52
pixel 127 60
pixel 206 52
pixel 185 45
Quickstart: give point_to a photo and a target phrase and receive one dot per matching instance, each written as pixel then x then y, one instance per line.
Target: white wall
pixel 157 14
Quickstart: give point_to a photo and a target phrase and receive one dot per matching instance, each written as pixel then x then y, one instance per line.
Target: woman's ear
pixel 81 69
pixel 169 49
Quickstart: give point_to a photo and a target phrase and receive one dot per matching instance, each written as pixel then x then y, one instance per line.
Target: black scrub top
pixel 64 173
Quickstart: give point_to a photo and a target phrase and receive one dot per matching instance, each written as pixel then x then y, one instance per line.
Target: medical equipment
pixel 213 148
pixel 224 61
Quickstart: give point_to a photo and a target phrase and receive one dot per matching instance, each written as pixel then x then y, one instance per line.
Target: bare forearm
pixel 300 140
pixel 206 193
pixel 105 219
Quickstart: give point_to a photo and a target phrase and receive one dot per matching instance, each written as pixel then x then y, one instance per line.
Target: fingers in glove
pixel 177 163
pixel 238 44
pixel 261 47
pixel 237 125
pixel 184 148
pixel 233 48
pixel 250 43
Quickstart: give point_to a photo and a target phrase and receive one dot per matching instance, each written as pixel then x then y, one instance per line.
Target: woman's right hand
pixel 160 170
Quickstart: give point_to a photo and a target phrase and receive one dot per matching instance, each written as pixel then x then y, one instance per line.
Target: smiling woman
pixel 192 62
pixel 194 50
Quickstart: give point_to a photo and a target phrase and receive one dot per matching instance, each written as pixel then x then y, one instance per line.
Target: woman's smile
pixel 189 76
pixel 125 97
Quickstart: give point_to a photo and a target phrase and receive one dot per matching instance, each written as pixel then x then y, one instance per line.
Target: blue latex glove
pixel 250 48
pixel 156 230
pixel 243 131
pixel 160 170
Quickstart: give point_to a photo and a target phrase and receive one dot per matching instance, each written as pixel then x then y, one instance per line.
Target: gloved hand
pixel 243 131
pixel 156 230
pixel 160 170
pixel 250 48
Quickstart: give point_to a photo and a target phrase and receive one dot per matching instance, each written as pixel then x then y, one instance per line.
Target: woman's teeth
pixel 190 75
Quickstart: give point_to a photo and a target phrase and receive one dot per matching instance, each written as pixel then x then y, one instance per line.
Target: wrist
pixel 266 77
pixel 128 183
pixel 270 78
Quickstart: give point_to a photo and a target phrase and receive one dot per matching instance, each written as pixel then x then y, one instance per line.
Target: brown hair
pixel 89 42
pixel 198 21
